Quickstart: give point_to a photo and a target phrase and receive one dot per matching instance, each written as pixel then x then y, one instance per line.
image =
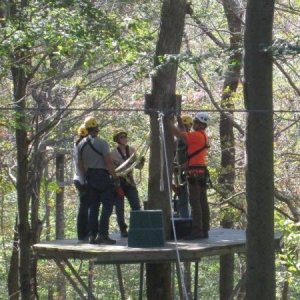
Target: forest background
pixel 64 60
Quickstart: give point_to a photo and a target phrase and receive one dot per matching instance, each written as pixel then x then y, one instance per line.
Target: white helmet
pixel 202 117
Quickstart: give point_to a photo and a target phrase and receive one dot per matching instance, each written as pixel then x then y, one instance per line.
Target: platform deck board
pixel 221 241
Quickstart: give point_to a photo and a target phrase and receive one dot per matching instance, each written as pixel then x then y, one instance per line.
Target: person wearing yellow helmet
pixel 96 167
pixel 119 155
pixel 82 131
pixel 82 216
pixel 90 122
pixel 187 121
pixel 117 133
pixel 180 159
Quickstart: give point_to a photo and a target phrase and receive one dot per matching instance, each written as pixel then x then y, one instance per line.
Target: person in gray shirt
pixel 96 166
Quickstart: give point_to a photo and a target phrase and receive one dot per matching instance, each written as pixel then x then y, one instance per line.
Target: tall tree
pixel 233 12
pixel 260 278
pixel 163 89
pixel 20 80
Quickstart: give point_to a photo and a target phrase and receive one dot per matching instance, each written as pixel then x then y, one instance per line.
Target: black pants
pixel 101 192
pixel 199 203
pixel 83 210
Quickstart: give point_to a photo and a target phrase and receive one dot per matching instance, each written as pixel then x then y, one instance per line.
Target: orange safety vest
pixel 197 149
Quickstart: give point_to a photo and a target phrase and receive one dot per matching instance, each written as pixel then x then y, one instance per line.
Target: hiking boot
pixel 205 235
pixel 83 240
pixel 92 239
pixel 105 240
pixel 124 233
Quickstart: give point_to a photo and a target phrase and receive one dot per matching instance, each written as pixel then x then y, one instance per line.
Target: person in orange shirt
pixel 196 172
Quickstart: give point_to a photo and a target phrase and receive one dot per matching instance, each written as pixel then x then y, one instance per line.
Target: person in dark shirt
pixel 120 154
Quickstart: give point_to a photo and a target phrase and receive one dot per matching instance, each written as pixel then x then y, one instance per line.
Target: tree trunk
pixel 47 202
pixel 37 166
pixel 285 291
pixel 20 63
pixel 163 88
pixel 60 222
pixel 260 279
pixel 20 83
pixel 227 175
pixel 22 192
pixel 13 274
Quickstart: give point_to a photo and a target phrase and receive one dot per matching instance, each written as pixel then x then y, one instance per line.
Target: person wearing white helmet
pixel 96 166
pixel 202 117
pixel 196 172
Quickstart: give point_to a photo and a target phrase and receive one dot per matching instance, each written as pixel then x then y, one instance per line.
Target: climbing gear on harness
pixel 117 132
pixel 202 117
pixel 200 174
pixel 90 122
pixel 82 131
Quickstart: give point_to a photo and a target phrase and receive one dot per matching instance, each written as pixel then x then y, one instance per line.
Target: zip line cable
pixel 164 158
pixel 153 110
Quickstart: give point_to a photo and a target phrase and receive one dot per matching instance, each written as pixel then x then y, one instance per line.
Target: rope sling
pixel 133 161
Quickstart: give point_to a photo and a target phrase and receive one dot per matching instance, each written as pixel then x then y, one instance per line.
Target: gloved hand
pixel 120 192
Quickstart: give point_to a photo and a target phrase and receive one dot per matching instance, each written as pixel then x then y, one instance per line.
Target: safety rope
pixel 164 158
pixel 161 141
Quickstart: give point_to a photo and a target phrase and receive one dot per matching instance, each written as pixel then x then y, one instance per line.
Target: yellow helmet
pixel 90 122
pixel 187 120
pixel 117 132
pixel 82 131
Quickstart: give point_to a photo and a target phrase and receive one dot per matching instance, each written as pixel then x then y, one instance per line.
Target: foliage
pixel 87 57
pixel 289 256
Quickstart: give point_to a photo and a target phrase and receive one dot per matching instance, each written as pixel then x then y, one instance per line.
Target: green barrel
pixel 146 229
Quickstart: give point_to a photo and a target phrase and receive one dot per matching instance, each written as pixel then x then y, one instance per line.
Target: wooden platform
pixel 221 241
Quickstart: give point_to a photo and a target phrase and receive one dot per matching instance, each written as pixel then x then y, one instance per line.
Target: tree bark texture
pixel 20 84
pixel 226 178
pixel 60 222
pixel 37 166
pixel 21 63
pixel 13 272
pixel 260 279
pixel 163 88
pixel 60 218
